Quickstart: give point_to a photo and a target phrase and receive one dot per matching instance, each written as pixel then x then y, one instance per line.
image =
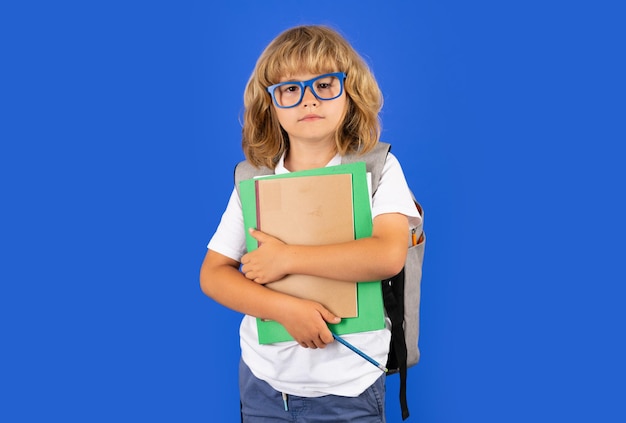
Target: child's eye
pixel 325 84
pixel 289 89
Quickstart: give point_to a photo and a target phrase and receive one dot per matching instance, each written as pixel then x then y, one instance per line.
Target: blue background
pixel 119 132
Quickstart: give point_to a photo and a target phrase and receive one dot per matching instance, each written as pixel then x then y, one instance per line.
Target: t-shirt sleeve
pixel 229 238
pixel 393 194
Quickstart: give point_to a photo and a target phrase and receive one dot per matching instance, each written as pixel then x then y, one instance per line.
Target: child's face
pixel 312 119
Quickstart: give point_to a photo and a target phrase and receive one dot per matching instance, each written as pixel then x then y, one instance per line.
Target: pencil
pixel 359 352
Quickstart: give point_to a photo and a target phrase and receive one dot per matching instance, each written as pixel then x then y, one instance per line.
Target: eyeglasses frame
pixel 303 84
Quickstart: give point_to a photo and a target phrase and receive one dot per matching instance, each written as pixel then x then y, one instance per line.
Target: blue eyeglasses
pixel 324 87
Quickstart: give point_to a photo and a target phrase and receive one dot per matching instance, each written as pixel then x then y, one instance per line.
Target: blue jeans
pixel 260 403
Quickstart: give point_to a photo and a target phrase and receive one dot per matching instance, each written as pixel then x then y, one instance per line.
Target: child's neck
pixel 304 157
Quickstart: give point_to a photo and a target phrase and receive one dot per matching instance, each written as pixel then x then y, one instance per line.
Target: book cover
pixel 310 210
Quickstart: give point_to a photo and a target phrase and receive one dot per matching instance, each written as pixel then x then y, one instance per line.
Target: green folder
pixel 371 315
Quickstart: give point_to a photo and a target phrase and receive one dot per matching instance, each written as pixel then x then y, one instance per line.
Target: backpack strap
pixel 374 161
pixel 393 298
pixel 246 170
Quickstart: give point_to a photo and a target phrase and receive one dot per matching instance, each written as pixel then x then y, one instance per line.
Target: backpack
pixel 401 293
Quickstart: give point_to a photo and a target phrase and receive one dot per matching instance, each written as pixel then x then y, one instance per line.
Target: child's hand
pixel 307 323
pixel 265 264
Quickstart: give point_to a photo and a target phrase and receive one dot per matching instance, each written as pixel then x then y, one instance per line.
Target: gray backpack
pixel 401 293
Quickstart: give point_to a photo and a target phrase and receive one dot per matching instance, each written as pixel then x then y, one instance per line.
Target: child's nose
pixel 309 98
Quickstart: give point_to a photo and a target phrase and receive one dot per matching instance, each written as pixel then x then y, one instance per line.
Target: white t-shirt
pixel 307 372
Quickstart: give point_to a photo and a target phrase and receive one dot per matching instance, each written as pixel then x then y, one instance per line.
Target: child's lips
pixel 310 117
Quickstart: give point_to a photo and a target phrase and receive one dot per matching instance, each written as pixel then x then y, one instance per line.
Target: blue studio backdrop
pixel 119 131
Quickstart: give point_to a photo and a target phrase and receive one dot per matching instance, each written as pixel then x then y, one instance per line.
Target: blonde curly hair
pixel 314 49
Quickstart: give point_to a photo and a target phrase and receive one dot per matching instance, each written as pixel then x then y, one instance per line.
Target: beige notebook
pixel 310 210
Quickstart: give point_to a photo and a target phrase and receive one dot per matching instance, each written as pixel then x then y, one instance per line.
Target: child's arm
pixel 378 257
pixel 305 320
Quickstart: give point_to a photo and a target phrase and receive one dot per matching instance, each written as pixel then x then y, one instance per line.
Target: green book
pixel 369 293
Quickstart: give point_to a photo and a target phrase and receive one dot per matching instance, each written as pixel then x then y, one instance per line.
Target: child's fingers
pixel 329 317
